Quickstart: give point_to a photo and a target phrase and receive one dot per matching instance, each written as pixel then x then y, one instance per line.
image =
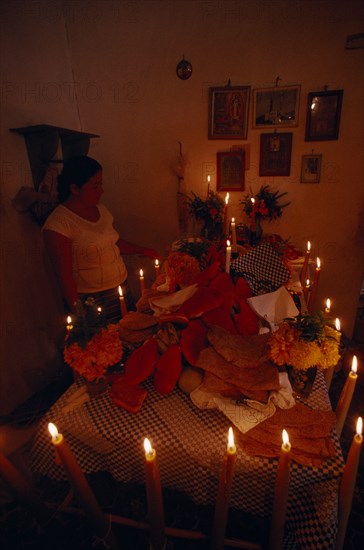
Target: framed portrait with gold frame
pixel 228 112
pixel 276 107
pixel 230 171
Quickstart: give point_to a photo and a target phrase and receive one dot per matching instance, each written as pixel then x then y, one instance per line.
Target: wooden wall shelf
pixel 42 143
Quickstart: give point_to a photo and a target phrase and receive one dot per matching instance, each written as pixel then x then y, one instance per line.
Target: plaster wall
pixel 108 67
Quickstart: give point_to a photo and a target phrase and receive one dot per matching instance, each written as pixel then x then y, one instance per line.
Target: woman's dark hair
pixel 76 171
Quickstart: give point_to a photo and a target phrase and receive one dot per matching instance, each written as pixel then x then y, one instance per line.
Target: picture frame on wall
pixel 228 112
pixel 323 115
pixel 311 168
pixel 230 171
pixel 278 106
pixel 275 154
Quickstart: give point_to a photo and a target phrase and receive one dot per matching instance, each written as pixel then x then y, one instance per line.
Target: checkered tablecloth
pixel 190 446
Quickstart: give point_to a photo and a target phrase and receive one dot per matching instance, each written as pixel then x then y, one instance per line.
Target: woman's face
pixel 90 193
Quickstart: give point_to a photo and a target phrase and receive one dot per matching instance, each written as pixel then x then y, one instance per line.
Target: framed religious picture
pixel 276 107
pixel 275 154
pixel 230 171
pixel 311 168
pixel 228 112
pixel 323 115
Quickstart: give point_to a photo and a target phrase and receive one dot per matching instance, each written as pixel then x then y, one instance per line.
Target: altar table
pixel 190 445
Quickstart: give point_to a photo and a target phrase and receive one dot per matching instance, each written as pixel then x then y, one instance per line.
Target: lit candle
pixel 305 262
pixel 79 483
pixel 314 285
pixel 208 186
pixel 154 498
pixel 141 279
pixel 226 219
pixel 228 257
pixel 223 494
pixel 337 324
pixel 156 267
pixel 123 309
pixel 346 396
pixel 348 482
pixel 69 325
pixel 22 490
pixel 253 213
pixel 233 235
pixel 328 305
pixel 280 495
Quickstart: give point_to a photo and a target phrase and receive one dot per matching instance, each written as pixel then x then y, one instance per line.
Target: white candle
pixel 154 498
pixel 305 262
pixel 226 219
pixel 233 235
pixel 280 495
pixel 141 279
pixel 228 257
pixel 156 267
pixel 208 186
pixel 346 396
pixel 123 309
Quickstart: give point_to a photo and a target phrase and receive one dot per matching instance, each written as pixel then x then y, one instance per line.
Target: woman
pixel 82 242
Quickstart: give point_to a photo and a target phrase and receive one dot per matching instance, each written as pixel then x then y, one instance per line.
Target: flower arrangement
pixel 181 270
pixel 210 211
pixel 305 341
pixel 265 204
pixel 91 347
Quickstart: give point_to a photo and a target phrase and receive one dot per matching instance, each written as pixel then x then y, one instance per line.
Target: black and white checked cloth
pixel 262 268
pixel 190 444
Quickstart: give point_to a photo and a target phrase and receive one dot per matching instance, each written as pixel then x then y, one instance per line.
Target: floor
pixel 67 531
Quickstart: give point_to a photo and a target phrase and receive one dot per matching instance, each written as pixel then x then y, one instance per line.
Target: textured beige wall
pixel 108 67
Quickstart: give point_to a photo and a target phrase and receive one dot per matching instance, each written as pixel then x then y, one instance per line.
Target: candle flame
pixel 285 438
pixel 99 309
pixel 337 324
pixel 69 320
pixel 232 220
pixel 308 282
pixel 308 246
pixel 157 263
pixel 228 243
pixel 227 199
pixel 231 443
pixel 328 304
pixel 52 428
pixel 141 273
pixel 354 364
pixel 318 263
pixel 252 200
pixel 208 179
pixel 147 446
pixel 359 426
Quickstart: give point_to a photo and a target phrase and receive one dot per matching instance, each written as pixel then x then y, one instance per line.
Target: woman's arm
pixel 129 248
pixel 59 249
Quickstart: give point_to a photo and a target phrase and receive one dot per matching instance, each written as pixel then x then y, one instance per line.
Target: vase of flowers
pixel 304 344
pixel 265 205
pixel 91 346
pixel 209 213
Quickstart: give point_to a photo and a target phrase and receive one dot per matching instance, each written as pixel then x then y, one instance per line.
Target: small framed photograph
pixel 275 154
pixel 228 112
pixel 276 107
pixel 323 115
pixel 311 168
pixel 231 171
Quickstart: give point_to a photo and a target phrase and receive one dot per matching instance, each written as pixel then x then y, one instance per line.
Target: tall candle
pixel 208 186
pixel 280 495
pixel 223 494
pixel 228 257
pixel 79 483
pixel 346 395
pixel 69 325
pixel 316 278
pixel 226 219
pixel 156 267
pixel 22 490
pixel 253 213
pixel 123 308
pixel 305 262
pixel 154 498
pixel 141 279
pixel 348 482
pixel 233 235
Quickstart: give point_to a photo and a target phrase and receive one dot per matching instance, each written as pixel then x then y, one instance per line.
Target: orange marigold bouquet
pixel 91 347
pixel 305 341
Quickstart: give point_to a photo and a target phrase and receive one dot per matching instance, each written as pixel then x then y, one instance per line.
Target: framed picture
pixel 275 154
pixel 228 112
pixel 311 168
pixel 323 115
pixel 230 171
pixel 276 107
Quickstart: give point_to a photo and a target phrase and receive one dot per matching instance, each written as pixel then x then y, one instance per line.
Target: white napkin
pixel 249 414
pixel 171 302
pixel 274 306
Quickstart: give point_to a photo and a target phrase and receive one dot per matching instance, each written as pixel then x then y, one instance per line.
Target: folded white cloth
pixel 171 302
pixel 274 306
pixel 248 414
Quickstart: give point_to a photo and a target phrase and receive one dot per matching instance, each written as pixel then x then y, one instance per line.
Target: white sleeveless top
pixel 97 263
